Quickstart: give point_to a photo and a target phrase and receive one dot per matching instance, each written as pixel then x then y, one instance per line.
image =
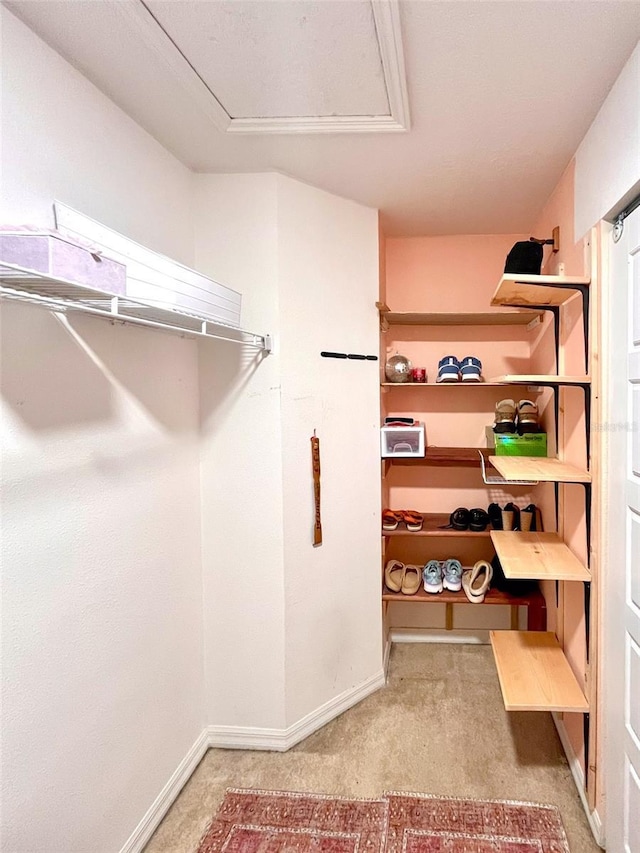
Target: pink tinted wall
pixel 449 274
pixel 568 621
pixel 452 273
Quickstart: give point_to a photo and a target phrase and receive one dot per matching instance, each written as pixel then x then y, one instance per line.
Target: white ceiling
pixel 500 92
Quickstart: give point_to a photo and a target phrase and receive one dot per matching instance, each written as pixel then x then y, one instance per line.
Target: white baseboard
pixel 387 656
pixel 165 799
pixel 241 737
pixel 474 637
pixel 578 777
pixel 237 737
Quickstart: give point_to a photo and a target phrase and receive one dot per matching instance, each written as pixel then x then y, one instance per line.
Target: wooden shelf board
pixel 536 289
pixel 431 525
pixel 494 596
pixel 543 469
pixel 538 379
pixel 493 383
pixel 461 457
pixel 534 674
pixel 537 556
pixel 485 318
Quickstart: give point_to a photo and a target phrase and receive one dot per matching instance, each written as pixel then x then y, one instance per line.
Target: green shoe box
pixel 530 444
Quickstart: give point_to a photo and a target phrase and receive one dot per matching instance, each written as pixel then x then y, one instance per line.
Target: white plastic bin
pixel 402 441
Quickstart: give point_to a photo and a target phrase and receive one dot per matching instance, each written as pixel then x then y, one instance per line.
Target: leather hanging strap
pixel 315 461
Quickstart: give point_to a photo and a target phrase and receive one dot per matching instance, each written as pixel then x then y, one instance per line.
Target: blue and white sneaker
pixel 432 576
pixel 452 575
pixel 448 369
pixel 471 369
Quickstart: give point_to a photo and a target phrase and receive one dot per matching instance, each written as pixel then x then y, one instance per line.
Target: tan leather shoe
pixel 394 575
pixel 476 581
pixel 527 417
pixel 505 417
pixel 411 580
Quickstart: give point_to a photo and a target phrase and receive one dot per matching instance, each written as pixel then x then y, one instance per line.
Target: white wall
pixel 242 512
pixel 101 587
pixel 289 628
pixel 608 159
pixel 328 287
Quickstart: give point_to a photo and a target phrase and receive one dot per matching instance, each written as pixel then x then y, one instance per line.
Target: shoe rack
pixel 533 670
pixel 461 461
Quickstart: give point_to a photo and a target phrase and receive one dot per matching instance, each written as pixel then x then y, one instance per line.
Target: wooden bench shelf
pixel 536 289
pixel 431 525
pixel 534 673
pixel 544 469
pixel 537 556
pixel 533 601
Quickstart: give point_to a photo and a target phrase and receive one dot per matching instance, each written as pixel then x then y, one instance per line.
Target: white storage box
pixel 402 441
pixel 153 277
pixel 61 258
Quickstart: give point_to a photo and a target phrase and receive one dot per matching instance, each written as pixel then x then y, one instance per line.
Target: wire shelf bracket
pixel 491 480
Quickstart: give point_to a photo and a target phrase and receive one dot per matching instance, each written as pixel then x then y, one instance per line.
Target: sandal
pixel 394 575
pixel 413 520
pixel 411 580
pixel 391 519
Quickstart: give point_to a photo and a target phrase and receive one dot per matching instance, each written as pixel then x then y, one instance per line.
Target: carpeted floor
pixel 439 727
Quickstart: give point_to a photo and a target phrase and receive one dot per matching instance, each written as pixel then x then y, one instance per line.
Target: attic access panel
pixel 289 67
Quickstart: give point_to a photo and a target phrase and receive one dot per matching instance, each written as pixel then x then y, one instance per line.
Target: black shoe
pixel 511 517
pixel 478 520
pixel 459 519
pixel 495 516
pixel 530 519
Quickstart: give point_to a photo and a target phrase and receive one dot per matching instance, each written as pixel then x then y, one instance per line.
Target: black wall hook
pixel 353 355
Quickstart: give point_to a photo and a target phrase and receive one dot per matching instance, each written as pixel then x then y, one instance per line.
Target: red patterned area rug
pixel 251 821
pixel 420 823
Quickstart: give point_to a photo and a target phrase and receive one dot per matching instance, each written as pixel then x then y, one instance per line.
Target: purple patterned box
pixel 59 257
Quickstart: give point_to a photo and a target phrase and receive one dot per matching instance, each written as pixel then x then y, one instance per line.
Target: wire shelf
pixel 20 284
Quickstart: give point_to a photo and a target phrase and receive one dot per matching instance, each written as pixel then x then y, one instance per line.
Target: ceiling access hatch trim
pixel 386 14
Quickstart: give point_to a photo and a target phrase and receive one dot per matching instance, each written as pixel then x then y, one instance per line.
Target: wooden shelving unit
pixel 544 469
pixel 537 556
pixel 431 526
pixel 534 673
pixel 536 290
pixel 538 379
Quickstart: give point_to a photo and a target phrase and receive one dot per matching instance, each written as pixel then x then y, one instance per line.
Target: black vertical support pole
pixel 587 613
pixel 586 725
pixel 587 584
pixel 556 412
pixel 555 310
pixel 587 419
pixel 556 493
pixel 584 290
pixel 587 509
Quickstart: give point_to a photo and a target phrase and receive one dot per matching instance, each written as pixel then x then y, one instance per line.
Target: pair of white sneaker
pixel 476 581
